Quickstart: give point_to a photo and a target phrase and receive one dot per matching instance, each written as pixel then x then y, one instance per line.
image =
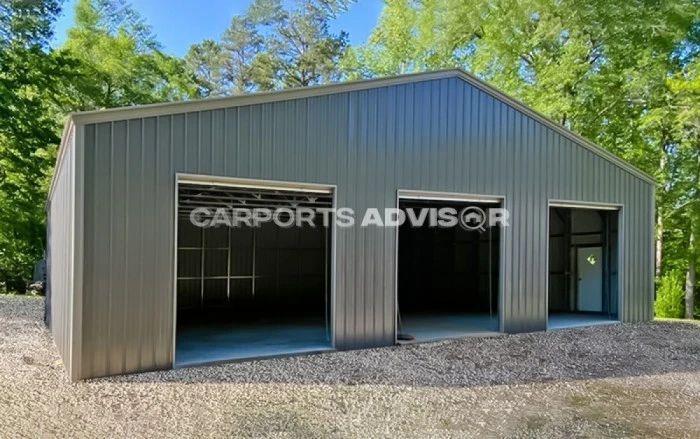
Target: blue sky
pixel 179 23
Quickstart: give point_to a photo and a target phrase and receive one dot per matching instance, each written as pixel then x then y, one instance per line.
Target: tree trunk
pixel 690 280
pixel 660 224
pixel 692 251
pixel 659 242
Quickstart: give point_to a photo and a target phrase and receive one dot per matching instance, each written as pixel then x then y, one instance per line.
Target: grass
pixel 12 293
pixel 669 319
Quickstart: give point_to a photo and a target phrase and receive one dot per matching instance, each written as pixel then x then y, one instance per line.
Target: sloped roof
pixel 168 108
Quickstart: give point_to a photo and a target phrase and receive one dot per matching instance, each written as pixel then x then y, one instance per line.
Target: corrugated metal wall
pixel 439 135
pixel 60 263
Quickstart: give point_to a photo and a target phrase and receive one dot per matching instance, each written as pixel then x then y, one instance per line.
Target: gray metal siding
pixel 60 239
pixel 439 135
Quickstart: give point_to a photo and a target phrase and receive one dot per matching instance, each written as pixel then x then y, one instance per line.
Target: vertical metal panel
pixel 148 249
pixel 61 253
pixel 442 135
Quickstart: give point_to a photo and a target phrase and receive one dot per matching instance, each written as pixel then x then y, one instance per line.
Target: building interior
pixel 250 291
pixel 448 278
pixel 583 261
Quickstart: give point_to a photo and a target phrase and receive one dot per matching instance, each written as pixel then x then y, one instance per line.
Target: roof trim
pixel 167 108
pixel 68 127
pixel 154 110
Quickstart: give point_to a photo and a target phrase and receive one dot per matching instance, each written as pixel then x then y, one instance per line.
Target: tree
pixel 301 51
pixel 110 58
pixel 393 46
pixel 29 91
pixel 226 67
pixel 241 42
pixel 270 47
pixel 685 87
pixel 205 60
pixel 121 62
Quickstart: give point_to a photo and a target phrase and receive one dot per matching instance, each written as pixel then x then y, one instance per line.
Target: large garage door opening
pixel 448 277
pixel 583 269
pixel 249 289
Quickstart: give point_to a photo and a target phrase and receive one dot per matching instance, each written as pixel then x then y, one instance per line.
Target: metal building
pixel 128 273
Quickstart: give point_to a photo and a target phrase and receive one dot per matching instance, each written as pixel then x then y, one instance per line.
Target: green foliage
pixel 670 295
pixel 301 51
pixel 272 47
pixel 110 58
pixel 205 60
pixel 121 63
pixel 28 134
pixel 393 47
pixel 27 22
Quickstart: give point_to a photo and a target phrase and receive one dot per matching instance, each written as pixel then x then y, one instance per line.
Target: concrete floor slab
pixel 220 342
pixel 433 327
pixel 576 320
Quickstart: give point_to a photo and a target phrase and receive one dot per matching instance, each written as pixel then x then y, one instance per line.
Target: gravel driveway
pixel 629 380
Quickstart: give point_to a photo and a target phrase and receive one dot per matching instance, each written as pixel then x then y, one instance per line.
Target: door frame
pixel 409 194
pixel 215 180
pixel 590 205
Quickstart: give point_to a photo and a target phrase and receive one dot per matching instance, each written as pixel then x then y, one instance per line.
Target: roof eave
pixel 176 107
pixel 67 127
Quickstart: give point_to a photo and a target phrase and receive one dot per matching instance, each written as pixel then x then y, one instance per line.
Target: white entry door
pixel 590 279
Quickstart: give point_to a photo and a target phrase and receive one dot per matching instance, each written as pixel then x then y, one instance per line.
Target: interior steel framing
pixel 292 187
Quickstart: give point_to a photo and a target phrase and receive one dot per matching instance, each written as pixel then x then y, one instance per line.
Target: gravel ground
pixel 629 380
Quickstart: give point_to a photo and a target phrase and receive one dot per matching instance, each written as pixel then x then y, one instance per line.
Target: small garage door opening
pixel 247 291
pixel 583 276
pixel 448 278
